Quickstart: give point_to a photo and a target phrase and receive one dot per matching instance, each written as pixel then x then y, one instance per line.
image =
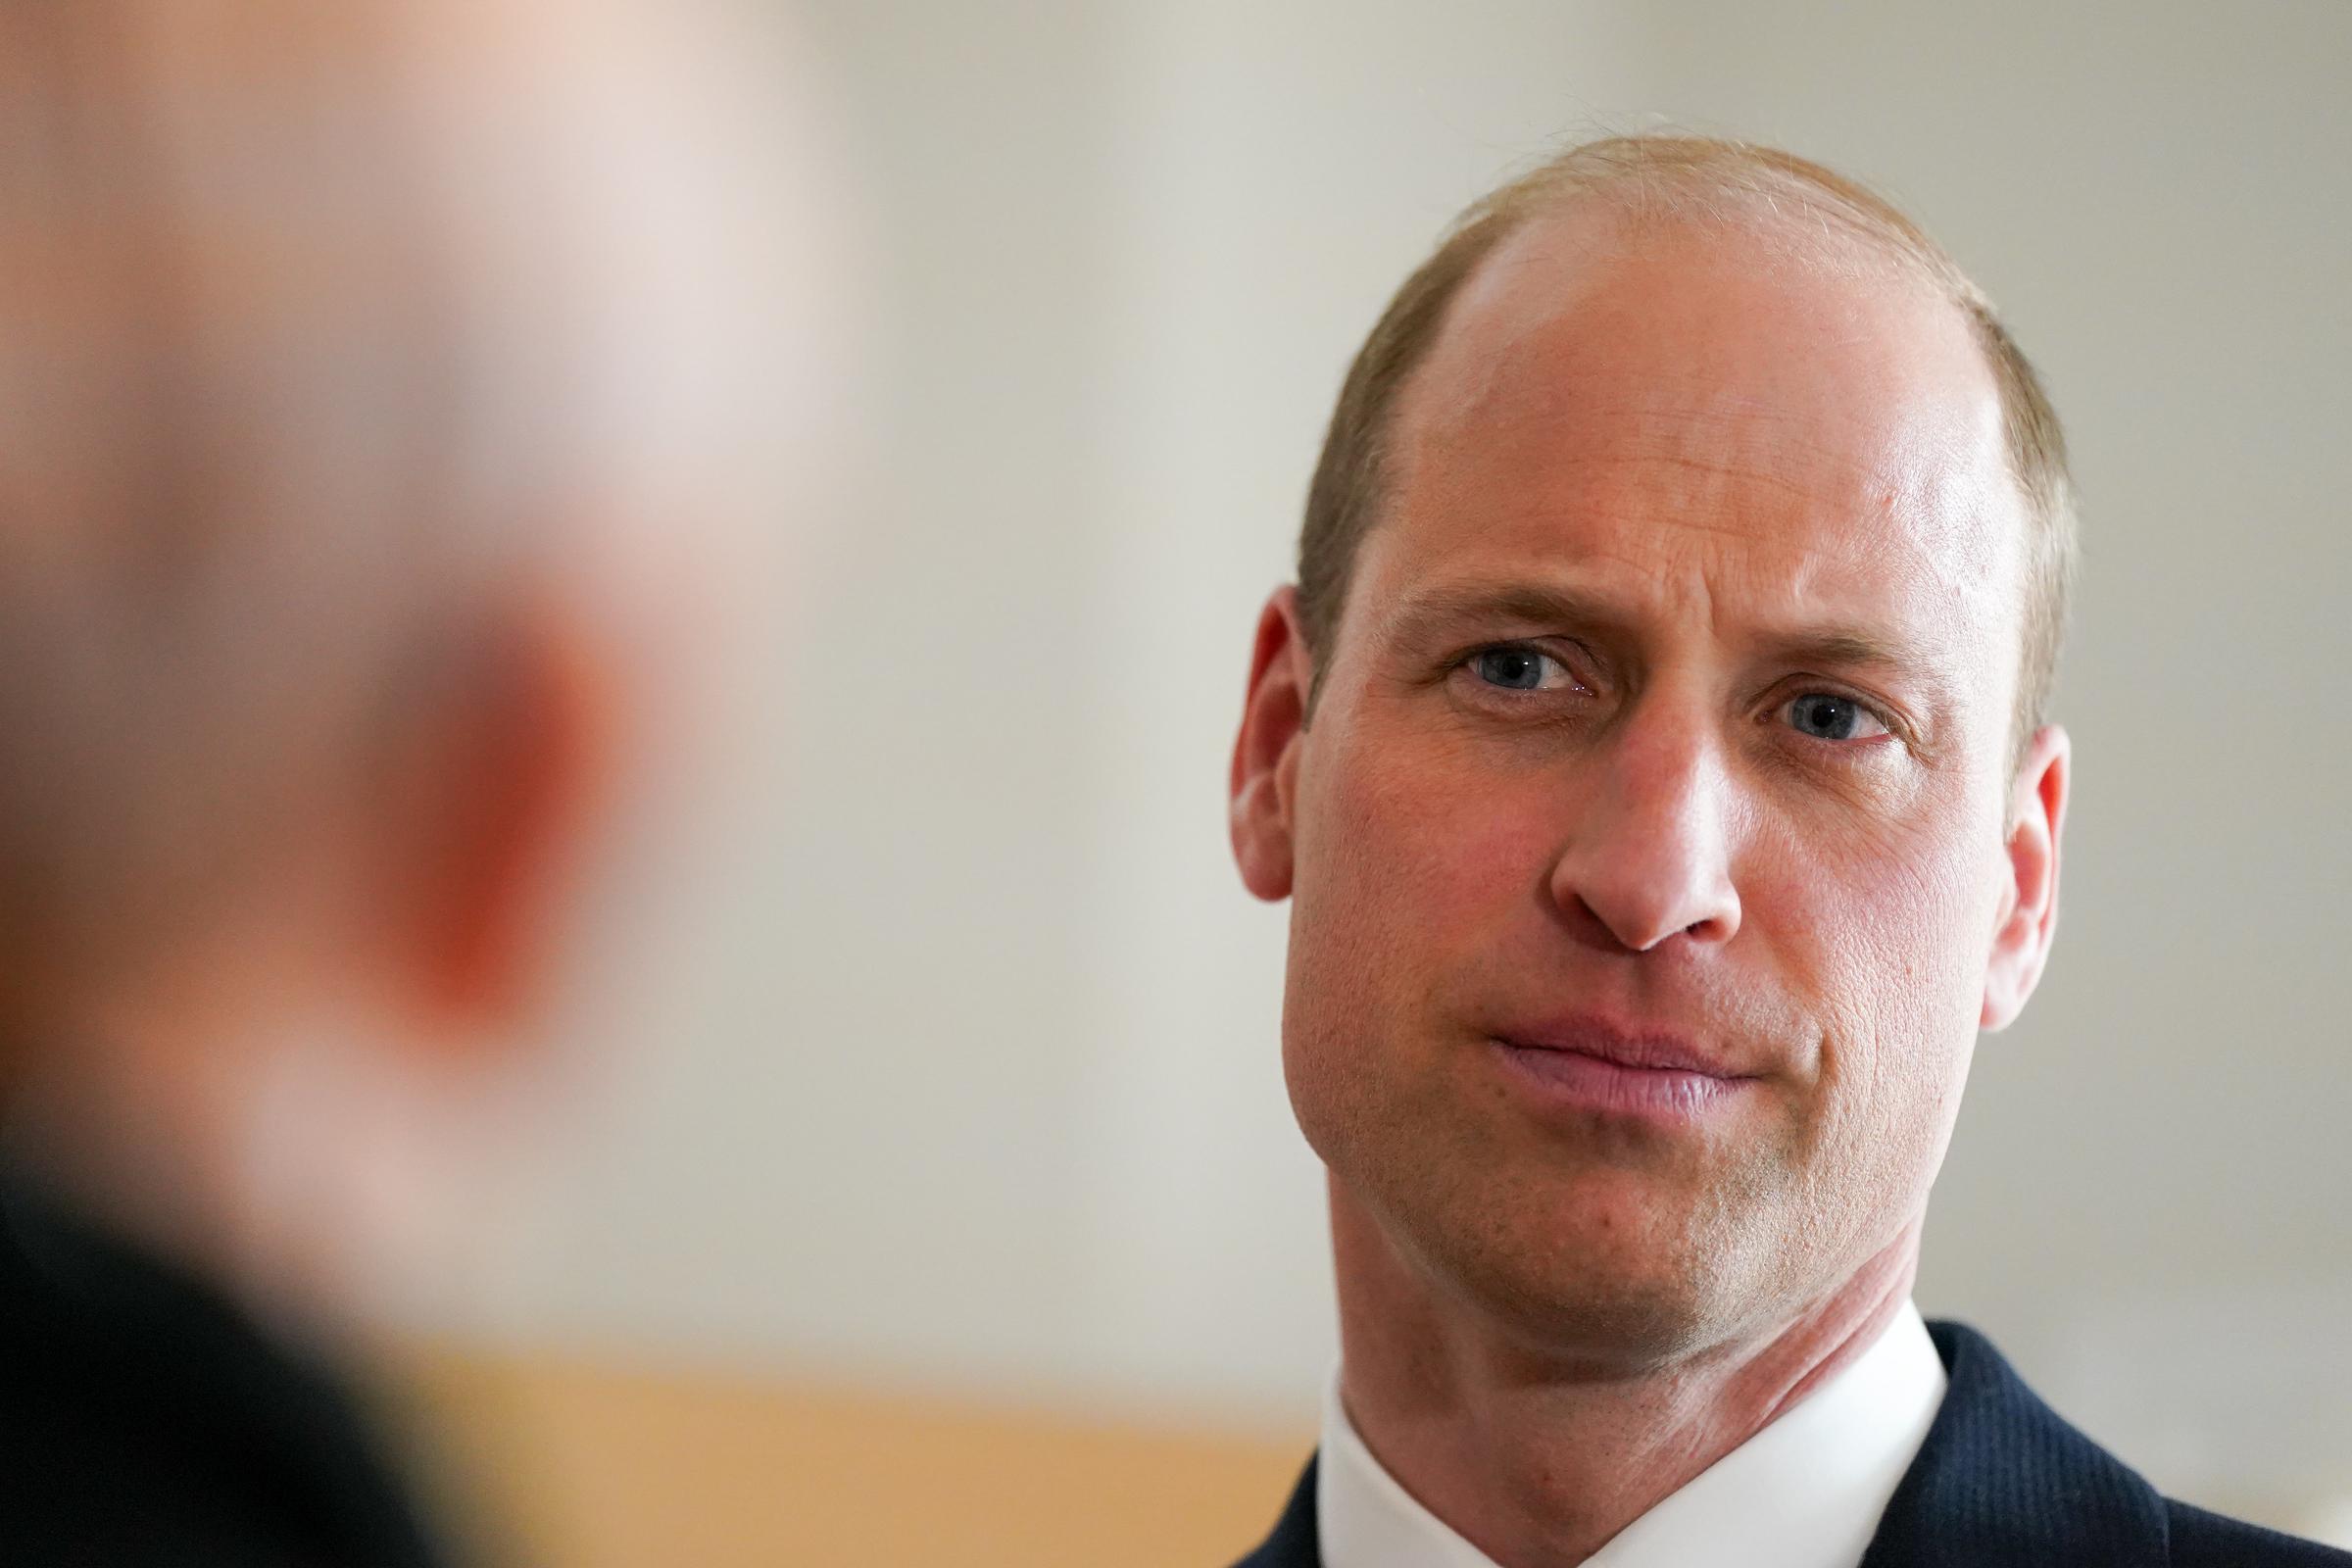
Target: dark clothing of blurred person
pixel 145 1420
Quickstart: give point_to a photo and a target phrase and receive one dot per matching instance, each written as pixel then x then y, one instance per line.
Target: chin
pixel 1608 1271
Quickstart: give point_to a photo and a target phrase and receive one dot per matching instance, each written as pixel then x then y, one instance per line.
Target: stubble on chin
pixel 1621 1248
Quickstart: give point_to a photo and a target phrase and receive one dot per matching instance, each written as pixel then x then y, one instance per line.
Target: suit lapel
pixel 2002 1479
pixel 1293 1543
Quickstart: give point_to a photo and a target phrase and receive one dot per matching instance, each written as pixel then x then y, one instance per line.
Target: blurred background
pixel 937 1195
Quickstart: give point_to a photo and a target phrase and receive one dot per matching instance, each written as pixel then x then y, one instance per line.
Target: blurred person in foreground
pixel 1656 752
pixel 378 383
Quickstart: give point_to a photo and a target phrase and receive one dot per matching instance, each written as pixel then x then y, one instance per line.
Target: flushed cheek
pixel 1424 859
pixel 1402 880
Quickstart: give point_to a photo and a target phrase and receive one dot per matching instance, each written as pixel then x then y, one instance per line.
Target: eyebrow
pixel 1844 649
pixel 1428 616
pixel 1430 613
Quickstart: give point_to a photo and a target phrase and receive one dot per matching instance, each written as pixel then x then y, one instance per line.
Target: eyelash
pixel 1878 715
pixel 1469 661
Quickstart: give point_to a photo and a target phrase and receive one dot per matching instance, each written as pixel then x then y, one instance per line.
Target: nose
pixel 1648 859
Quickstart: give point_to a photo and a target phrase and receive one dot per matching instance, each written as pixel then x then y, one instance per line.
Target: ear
pixel 516 770
pixel 1265 754
pixel 2028 919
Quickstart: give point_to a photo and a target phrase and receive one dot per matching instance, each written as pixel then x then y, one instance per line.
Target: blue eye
pixel 1518 669
pixel 1826 716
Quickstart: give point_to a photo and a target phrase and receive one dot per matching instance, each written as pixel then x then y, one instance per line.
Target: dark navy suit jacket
pixel 2000 1480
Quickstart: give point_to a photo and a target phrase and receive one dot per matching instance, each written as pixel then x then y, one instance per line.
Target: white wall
pixel 969 1064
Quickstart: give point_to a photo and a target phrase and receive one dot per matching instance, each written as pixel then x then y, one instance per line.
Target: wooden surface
pixel 576 1464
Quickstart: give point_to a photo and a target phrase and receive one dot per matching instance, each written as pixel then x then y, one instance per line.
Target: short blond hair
pixel 1689 178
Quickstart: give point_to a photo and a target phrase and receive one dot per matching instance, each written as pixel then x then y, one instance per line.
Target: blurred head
pixel 1640 752
pixel 377 377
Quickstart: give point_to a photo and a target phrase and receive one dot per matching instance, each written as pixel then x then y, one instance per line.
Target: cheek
pixel 1413 857
pixel 1406 870
pixel 1875 910
pixel 1885 933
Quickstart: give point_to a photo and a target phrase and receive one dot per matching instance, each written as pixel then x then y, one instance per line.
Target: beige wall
pixel 964 1069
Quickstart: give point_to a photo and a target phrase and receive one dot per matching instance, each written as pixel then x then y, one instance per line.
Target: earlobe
pixel 1264 754
pixel 2029 915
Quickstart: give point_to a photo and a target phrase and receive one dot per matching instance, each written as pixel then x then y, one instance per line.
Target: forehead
pixel 1692 410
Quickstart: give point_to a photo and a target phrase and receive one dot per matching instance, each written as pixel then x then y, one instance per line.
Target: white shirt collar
pixel 1804 1492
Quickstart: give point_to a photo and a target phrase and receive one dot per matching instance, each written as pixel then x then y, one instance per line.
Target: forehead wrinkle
pixel 1701 456
pixel 1662 507
pixel 1608 507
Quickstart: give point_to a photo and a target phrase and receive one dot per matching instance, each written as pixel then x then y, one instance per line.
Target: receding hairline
pixel 1804 211
pixel 1584 243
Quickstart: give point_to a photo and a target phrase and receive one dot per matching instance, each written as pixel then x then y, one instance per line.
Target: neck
pixel 1540 1460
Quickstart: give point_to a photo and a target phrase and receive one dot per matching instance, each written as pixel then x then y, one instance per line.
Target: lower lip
pixel 1577 1081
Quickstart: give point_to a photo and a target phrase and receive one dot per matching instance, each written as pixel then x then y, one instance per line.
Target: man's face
pixel 1649 835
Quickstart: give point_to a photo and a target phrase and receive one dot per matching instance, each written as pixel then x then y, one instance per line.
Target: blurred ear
pixel 2021 943
pixel 508 795
pixel 1265 754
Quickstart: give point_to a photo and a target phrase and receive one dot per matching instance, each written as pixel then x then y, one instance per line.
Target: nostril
pixel 1591 927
